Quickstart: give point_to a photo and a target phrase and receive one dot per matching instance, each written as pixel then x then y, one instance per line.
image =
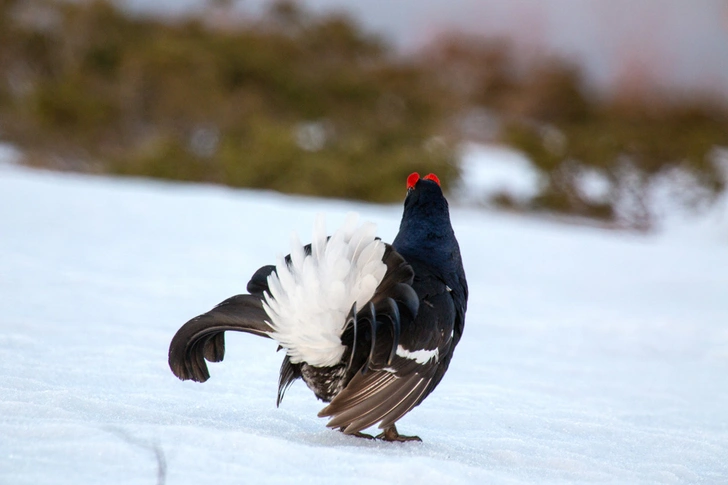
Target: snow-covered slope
pixel 588 355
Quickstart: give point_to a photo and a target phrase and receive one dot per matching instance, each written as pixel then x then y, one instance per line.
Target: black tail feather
pixel 289 373
pixel 203 337
pixel 351 322
pixel 258 283
pixel 394 319
pixel 215 347
pixel 374 325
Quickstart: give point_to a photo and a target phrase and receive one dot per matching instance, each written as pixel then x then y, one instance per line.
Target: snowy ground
pixel 588 355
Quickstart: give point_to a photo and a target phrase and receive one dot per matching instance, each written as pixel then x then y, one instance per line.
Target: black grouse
pixel 370 327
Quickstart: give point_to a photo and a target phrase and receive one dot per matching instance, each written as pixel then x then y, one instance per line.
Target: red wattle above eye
pixel 432 177
pixel 412 180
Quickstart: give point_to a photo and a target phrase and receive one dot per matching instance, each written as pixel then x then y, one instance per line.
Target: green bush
pixel 291 102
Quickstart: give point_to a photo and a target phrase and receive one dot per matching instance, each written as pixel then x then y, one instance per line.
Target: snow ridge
pixel 310 298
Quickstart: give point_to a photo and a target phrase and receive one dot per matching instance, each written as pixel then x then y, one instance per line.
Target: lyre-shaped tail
pixel 203 338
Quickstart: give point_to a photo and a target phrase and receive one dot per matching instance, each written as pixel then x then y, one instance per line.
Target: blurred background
pixel 600 110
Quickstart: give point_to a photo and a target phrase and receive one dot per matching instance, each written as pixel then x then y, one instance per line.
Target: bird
pixel 370 327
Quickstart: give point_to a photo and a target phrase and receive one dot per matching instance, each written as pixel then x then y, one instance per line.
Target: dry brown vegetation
pixel 314 105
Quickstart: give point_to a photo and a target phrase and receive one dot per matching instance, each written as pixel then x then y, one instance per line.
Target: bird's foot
pixel 391 434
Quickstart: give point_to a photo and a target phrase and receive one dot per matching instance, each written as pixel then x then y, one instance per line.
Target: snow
pixel 589 356
pixel 491 170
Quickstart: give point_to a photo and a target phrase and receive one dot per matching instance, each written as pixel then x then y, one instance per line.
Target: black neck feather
pixel 425 233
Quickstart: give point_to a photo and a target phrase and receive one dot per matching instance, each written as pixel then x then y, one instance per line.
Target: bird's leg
pixel 390 434
pixel 359 434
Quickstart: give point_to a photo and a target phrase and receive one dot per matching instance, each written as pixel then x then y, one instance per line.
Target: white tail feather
pixel 310 298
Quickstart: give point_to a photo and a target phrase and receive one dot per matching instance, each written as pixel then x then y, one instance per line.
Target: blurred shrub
pixel 292 102
pixel 311 104
pixel 632 146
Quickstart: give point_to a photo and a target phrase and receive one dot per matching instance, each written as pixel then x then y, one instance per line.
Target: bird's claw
pixel 390 434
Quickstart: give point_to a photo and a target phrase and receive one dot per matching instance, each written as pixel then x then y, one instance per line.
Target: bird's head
pixel 424 190
pixel 414 178
pixel 425 232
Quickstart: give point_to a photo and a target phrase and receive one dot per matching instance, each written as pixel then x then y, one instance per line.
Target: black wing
pixel 372 333
pixel 392 387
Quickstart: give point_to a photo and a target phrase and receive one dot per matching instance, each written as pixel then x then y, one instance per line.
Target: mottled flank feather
pixel 310 295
